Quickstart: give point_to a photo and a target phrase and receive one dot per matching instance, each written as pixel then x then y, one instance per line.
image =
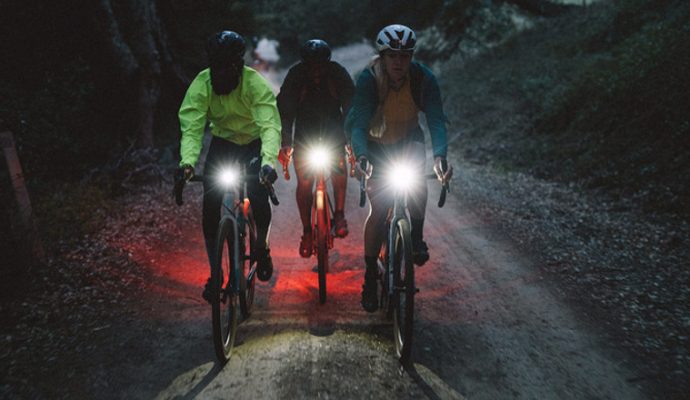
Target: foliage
pixel 597 96
pixel 70 211
pixel 192 22
pixel 468 28
pixel 338 23
pixel 625 114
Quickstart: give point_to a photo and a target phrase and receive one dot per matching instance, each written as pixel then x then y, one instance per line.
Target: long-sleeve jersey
pixel 426 94
pixel 247 113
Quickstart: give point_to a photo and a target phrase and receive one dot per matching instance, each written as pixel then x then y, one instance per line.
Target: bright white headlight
pixel 401 176
pixel 319 157
pixel 228 177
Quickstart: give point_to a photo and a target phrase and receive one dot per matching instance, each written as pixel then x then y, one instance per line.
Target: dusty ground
pixel 491 323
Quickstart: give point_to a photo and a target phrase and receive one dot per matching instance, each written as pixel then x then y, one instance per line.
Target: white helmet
pixel 396 37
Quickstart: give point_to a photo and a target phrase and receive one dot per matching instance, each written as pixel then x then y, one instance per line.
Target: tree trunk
pixel 139 43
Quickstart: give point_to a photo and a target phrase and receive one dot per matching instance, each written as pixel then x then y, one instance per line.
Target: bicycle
pixel 322 215
pixel 395 266
pixel 233 267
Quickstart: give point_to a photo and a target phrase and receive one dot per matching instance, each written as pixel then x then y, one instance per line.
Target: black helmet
pixel 315 51
pixel 225 47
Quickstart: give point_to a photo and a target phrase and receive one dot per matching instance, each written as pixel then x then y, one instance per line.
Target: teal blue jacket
pixel 426 94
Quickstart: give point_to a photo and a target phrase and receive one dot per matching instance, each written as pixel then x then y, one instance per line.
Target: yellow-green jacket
pixel 248 113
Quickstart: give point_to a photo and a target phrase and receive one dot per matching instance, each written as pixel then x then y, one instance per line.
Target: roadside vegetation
pixel 595 97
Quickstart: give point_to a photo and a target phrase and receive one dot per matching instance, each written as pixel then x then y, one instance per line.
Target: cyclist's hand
pixel 284 156
pixel 185 172
pixel 361 172
pixel 268 174
pixel 443 175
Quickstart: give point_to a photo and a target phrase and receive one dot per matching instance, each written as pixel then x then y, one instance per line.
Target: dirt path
pixel 487 325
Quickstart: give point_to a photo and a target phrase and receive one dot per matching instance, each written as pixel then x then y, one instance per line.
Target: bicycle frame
pixel 235 224
pixel 322 204
pixel 396 268
pixel 396 214
pixel 320 157
pixel 321 231
pixel 237 208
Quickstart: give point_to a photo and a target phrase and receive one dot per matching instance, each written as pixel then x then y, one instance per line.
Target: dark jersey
pixel 316 109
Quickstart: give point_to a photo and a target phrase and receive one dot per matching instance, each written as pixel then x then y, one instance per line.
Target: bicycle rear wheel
pixel 404 290
pixel 224 307
pixel 322 232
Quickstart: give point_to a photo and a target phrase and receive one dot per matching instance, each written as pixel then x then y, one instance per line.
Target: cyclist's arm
pixel 346 88
pixel 287 101
pixel 192 117
pixel 267 118
pixel 435 117
pixel 364 103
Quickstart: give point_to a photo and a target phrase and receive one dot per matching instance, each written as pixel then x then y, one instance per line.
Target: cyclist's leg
pixel 305 199
pixel 258 197
pixel 304 193
pixel 375 226
pixel 339 181
pixel 380 201
pixel 415 152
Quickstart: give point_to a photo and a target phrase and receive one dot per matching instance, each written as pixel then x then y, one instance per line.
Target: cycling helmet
pixel 225 47
pixel 315 51
pixel 396 37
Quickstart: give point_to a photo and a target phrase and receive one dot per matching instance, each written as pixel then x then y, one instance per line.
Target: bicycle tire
pixel 247 264
pixel 404 290
pixel 322 232
pixel 224 307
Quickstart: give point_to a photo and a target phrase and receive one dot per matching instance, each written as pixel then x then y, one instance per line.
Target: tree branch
pixel 544 8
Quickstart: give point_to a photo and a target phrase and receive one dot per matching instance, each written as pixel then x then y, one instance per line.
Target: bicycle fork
pixel 398 215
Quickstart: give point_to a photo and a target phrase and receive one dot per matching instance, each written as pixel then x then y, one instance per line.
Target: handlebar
pixel 180 182
pixel 445 188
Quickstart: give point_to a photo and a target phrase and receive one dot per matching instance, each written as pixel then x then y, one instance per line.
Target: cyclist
pixel 384 125
pixel 245 126
pixel 315 96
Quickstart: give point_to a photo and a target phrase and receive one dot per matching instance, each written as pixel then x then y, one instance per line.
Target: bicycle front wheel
pixel 404 290
pixel 224 302
pixel 322 232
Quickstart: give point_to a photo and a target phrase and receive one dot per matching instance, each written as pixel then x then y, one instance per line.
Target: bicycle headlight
pixel 228 177
pixel 319 157
pixel 401 176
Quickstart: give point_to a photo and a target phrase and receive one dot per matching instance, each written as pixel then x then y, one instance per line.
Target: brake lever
pixel 272 194
pixel 363 184
pixel 178 187
pixel 446 185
